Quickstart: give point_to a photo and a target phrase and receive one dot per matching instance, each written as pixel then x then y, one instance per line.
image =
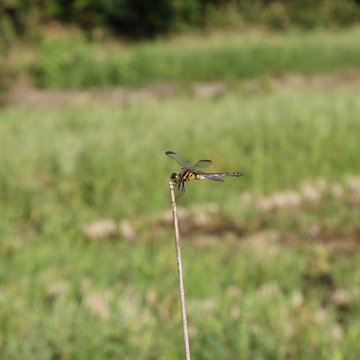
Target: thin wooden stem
pixel 181 282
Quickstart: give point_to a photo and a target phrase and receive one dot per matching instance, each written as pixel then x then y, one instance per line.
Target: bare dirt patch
pixel 29 97
pixel 275 220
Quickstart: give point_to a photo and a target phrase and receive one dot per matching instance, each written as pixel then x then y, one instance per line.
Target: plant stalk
pixel 180 274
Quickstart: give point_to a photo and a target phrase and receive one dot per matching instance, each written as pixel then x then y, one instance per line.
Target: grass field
pixel 271 260
pixel 68 61
pixel 66 297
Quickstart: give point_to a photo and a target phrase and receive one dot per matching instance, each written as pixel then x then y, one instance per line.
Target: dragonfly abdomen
pixel 215 175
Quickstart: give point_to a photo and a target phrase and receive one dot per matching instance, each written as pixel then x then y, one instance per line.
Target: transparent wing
pixel 214 178
pixel 186 164
pixel 202 164
pixel 218 176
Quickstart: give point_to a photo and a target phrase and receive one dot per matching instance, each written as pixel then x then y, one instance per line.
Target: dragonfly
pixel 191 171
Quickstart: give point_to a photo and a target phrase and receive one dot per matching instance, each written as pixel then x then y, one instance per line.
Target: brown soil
pixel 24 96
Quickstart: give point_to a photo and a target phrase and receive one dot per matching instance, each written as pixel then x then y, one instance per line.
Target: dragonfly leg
pixel 181 188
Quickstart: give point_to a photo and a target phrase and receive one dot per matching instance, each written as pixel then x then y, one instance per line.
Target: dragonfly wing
pixel 208 176
pixel 214 178
pixel 186 164
pixel 202 164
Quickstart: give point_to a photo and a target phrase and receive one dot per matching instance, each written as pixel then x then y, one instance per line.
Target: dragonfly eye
pixel 174 177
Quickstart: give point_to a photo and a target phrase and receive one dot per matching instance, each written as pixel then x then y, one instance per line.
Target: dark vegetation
pixel 142 18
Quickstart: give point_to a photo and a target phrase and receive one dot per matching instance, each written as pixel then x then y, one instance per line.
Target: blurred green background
pixel 91 96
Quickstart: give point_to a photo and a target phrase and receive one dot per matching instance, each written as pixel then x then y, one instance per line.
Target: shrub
pixel 143 18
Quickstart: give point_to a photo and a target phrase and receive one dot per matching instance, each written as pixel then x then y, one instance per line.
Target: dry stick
pixel 181 283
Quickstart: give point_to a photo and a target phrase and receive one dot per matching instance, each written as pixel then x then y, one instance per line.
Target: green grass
pixel 76 158
pixel 69 62
pixel 65 297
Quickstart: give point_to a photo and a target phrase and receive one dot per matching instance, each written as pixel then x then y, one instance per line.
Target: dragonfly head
pixel 175 178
